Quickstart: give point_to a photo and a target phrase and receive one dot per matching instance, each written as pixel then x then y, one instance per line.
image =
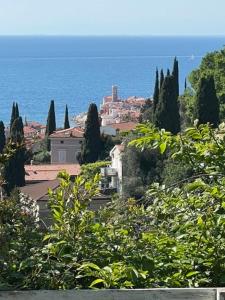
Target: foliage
pixel 42 157
pixel 212 65
pixel 91 147
pixel 207 104
pixel 19 233
pixel 89 171
pixel 167 112
pixel 173 237
pixel 142 169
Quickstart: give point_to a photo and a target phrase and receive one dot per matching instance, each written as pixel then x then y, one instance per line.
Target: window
pixel 62 156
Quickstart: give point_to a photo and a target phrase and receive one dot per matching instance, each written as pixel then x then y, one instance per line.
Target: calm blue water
pixel 79 70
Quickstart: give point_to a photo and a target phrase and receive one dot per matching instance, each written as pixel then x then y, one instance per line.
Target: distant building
pixel 115 128
pixel 66 145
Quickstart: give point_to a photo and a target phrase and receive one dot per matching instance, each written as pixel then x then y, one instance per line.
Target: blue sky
pixel 112 17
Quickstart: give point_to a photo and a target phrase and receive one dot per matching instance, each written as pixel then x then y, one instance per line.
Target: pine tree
pixel 91 147
pixel 167 112
pixel 175 74
pixel 2 136
pixel 156 91
pixel 51 124
pixel 207 103
pixel 161 78
pixel 66 120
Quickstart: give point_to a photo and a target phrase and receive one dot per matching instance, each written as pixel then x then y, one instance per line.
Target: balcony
pixel 108 172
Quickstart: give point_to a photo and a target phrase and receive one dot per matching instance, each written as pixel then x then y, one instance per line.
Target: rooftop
pixel 36 173
pixel 75 132
pixel 124 126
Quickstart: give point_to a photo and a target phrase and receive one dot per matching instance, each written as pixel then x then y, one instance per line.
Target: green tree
pixel 51 123
pixel 13 115
pixel 212 64
pixel 207 103
pixel 2 136
pixel 156 91
pixel 14 170
pixel 91 147
pixel 167 113
pixel 161 78
pixel 175 74
pixel 17 114
pixel 66 120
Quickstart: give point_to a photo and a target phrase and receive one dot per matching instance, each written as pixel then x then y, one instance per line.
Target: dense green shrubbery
pixel 174 238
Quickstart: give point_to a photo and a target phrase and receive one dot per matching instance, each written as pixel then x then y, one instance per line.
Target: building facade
pixel 66 145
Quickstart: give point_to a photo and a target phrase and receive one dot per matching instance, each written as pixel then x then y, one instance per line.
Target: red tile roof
pixel 49 172
pixel 124 126
pixel 38 190
pixel 76 132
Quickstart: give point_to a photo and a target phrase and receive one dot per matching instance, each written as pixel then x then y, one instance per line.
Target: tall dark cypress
pixel 161 78
pixel 167 112
pixel 51 123
pixel 66 120
pixel 168 72
pixel 185 84
pixel 207 103
pixel 91 146
pixel 13 115
pixel 156 91
pixel 2 136
pixel 17 133
pixel 17 114
pixel 175 74
pixel 14 170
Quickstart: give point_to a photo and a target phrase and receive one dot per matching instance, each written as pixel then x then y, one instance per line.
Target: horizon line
pixel 112 35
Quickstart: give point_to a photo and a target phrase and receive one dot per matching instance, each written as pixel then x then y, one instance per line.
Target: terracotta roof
pixel 76 132
pixel 38 190
pixel 124 126
pixel 49 172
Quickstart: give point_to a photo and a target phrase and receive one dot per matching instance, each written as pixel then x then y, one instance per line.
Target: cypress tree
pixel 2 136
pixel 66 120
pixel 14 171
pixel 161 78
pixel 168 72
pixel 175 74
pixel 156 91
pixel 51 124
pixel 17 134
pixel 207 103
pixel 17 114
pixel 185 84
pixel 91 147
pixel 13 116
pixel 167 112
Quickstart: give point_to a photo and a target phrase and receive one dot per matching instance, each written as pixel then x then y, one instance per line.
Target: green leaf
pixel 96 281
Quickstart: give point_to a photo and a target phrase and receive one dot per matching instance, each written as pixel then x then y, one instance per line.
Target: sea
pixel 77 71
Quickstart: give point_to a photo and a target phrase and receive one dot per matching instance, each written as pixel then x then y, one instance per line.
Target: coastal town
pixel 116 116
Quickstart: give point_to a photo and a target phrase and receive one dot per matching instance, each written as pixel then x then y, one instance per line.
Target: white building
pixel 112 176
